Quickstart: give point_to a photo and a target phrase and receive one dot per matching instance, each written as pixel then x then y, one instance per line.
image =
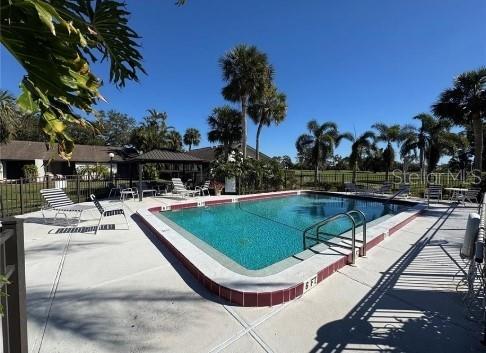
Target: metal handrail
pixel 312 226
pixel 363 216
pixel 322 223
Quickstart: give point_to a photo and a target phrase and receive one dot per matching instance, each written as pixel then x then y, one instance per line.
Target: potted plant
pixel 217 186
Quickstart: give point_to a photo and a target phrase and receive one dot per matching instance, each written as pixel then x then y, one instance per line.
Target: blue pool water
pixel 256 234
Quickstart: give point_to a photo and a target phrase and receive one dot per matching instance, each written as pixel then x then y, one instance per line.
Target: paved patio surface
pixel 121 291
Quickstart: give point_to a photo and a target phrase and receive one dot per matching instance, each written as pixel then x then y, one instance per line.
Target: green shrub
pixel 3 282
pixel 150 171
pixel 30 171
pixel 95 171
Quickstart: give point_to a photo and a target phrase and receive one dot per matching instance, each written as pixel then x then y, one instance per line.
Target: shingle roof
pixel 166 155
pixel 30 150
pixel 209 153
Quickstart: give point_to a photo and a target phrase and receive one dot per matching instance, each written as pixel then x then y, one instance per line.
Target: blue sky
pixel 355 62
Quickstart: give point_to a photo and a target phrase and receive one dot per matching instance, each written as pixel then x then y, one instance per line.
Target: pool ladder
pixel 322 223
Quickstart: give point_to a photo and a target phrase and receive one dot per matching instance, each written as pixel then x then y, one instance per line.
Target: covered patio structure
pixel 172 164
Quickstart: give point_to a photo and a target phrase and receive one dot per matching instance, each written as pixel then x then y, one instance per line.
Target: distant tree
pixel 225 127
pixel 246 70
pixel 465 104
pixel 84 136
pixel 153 133
pixel 361 144
pixel 389 134
pixel 192 137
pixel 321 141
pixel 174 141
pixel 286 162
pixel 55 42
pixel 115 127
pixel 373 160
pixel 268 108
pixel 304 152
pixel 9 116
pixel 29 129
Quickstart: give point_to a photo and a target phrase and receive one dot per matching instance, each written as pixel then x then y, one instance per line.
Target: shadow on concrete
pixel 186 276
pixel 412 308
pixel 135 318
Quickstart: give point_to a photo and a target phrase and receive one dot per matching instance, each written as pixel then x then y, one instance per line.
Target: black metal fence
pixel 23 195
pixel 334 180
pixel 12 286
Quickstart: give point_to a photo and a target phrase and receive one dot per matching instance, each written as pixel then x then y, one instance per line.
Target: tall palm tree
pixel 361 144
pixel 225 127
pixel 270 108
pixel 192 137
pixel 465 104
pixel 245 69
pixel 8 116
pixel 432 139
pixel 321 141
pixel 388 134
pixel 174 140
pixel 417 139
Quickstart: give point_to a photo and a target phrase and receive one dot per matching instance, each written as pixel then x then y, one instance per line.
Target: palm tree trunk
pixel 244 107
pixel 478 142
pixel 190 147
pixel 226 151
pixel 422 170
pixel 257 142
pixel 355 167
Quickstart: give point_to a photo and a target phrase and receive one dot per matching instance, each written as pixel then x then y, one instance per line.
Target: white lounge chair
pixel 181 190
pixel 434 192
pixel 107 212
pixel 57 201
pixel 350 187
pixel 472 194
pixel 204 187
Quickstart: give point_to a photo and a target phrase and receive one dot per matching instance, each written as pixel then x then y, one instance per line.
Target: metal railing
pixel 335 179
pixel 20 196
pixel 479 258
pixel 319 225
pixel 12 286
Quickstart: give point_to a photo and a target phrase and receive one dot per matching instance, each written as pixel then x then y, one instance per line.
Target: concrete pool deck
pixel 122 291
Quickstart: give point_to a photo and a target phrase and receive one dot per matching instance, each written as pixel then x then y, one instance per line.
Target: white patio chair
pixel 350 187
pixel 107 212
pixel 434 192
pixel 203 188
pixel 133 192
pixel 472 194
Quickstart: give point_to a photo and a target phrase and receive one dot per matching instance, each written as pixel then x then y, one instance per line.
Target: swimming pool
pixel 257 234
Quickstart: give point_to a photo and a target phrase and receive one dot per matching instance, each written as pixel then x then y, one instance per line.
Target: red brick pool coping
pixel 266 298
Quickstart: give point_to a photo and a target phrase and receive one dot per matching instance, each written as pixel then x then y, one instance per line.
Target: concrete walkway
pixel 121 291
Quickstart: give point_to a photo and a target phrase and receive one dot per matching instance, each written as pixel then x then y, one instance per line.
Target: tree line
pixel 110 128
pixel 462 105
